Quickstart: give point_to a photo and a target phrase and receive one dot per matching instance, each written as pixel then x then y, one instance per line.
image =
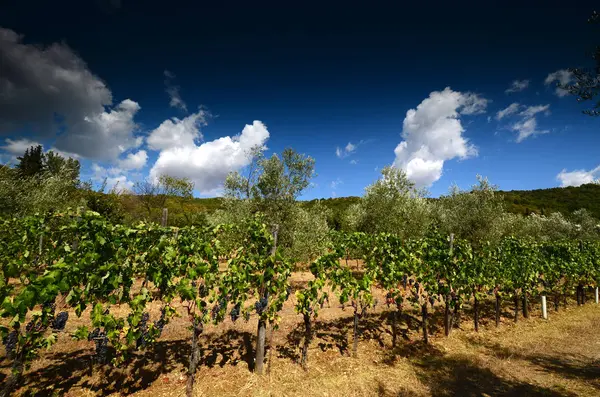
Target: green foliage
pixel 32 162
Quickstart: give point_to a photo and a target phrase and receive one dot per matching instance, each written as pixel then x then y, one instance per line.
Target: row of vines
pixel 69 262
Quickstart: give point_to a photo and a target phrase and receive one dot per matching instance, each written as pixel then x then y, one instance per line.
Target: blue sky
pixel 313 77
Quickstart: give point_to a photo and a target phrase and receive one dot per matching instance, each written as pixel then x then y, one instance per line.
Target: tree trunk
pixel 476 312
pixel 355 341
pixel 447 316
pixel 307 340
pixel 525 306
pixel 516 307
pixel 260 347
pixel 194 357
pixel 497 309
pixel 271 348
pixel 394 328
pixel 578 295
pixel 425 332
pixel 556 302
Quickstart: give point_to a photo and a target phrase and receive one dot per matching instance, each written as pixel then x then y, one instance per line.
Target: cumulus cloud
pixel 511 109
pixel 38 82
pixel 578 177
pixel 527 126
pixel 345 151
pixel 18 147
pixel 433 134
pixel 562 77
pixel 134 161
pixel 47 89
pixel 209 163
pixel 103 136
pixel 334 185
pixel 177 133
pixel 173 92
pixel 517 86
pixel 115 178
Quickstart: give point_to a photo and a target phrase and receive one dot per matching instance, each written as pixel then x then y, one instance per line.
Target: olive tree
pixel 475 215
pixel 391 204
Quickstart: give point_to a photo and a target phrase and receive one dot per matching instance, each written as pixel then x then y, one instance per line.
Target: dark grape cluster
pixel 203 291
pixel 60 321
pixel 194 284
pixel 143 326
pixel 10 343
pixel 218 308
pixel 101 341
pixel 431 300
pixel 235 312
pixel 50 306
pixel 288 291
pixel 405 280
pixel 161 322
pixel 261 305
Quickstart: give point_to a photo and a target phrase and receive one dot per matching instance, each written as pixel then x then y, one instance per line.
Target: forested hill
pixel 558 199
pixel 541 201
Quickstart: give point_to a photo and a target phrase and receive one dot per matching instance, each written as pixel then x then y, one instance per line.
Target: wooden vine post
pixel 165 216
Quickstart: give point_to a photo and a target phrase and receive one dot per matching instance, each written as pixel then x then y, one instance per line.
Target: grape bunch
pixel 10 343
pixel 431 300
pixel 261 305
pixel 101 341
pixel 101 347
pixel 203 291
pixel 143 326
pixel 235 313
pixel 34 326
pixel 59 322
pixel 404 280
pixel 218 308
pixel 160 323
pixel 50 306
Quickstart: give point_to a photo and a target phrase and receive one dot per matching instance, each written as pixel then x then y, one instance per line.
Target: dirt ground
pixel 557 357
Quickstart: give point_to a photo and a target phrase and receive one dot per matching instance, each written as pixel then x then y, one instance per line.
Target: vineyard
pixel 61 267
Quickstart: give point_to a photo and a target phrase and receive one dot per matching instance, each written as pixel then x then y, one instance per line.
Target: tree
pixel 153 194
pixel 391 204
pixel 271 186
pixel 474 215
pixel 587 81
pixel 32 162
pixel 55 163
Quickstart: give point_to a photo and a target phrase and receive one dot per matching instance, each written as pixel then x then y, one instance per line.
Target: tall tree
pixel 32 162
pixel 587 80
pixel 56 164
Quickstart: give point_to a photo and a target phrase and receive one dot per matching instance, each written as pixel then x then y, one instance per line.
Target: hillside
pixel 541 201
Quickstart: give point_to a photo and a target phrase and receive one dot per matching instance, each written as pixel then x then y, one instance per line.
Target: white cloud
pixel 209 163
pixel 528 125
pixel 115 178
pixel 562 76
pixel 347 150
pixel 177 133
pixel 134 161
pixel 173 92
pixel 432 134
pixel 511 109
pixel 18 147
pixel 334 185
pixel 578 177
pixel 517 86
pixel 353 162
pixel 473 104
pixel 531 111
pixel 103 136
pixel 526 128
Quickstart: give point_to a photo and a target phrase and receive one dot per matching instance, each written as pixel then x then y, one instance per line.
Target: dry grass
pixel 559 357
